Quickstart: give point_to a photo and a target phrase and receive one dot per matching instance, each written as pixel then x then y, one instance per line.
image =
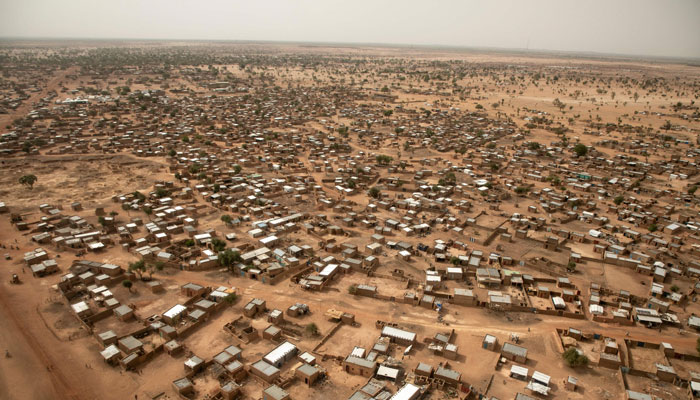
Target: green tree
pixel 157 266
pixel 580 149
pixel 618 200
pixel 522 189
pixel 28 180
pixel 374 192
pixel 139 196
pixel 218 244
pixel 139 267
pixel 692 189
pixel 384 159
pixel 229 258
pixel 237 169
pixel 653 228
pixel 127 284
pixel 352 289
pixel 226 219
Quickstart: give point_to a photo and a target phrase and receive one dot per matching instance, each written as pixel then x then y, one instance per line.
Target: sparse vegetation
pixel 574 359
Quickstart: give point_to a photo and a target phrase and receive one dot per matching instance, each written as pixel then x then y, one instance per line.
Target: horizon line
pixel 529 51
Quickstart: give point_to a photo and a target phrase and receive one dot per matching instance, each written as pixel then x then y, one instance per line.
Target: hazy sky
pixel 638 27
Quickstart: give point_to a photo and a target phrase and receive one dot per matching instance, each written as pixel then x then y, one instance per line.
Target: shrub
pixel 312 329
pixel 574 359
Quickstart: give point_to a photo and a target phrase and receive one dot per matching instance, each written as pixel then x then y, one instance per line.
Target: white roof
pixel 595 309
pixel 541 378
pixel 268 240
pixel 358 352
pixel 328 269
pixel 398 333
pixel 558 301
pixel 175 311
pixel 407 392
pixel 518 370
pixel 536 387
pixel 110 352
pixel 279 352
pixel 80 307
pixel 387 372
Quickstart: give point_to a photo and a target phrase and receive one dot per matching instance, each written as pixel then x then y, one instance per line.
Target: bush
pixel 312 329
pixel 653 228
pixel 618 200
pixel 352 289
pixel 230 298
pixel 574 359
pixel 374 192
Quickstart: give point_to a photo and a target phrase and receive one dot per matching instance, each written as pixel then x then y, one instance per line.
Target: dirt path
pixel 27 105
pixel 467 320
pixel 28 374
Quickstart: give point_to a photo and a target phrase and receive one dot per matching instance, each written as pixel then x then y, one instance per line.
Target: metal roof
pixel 407 392
pixel 398 333
pixel 279 353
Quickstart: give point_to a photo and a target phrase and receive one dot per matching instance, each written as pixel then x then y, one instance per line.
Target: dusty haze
pixel 631 27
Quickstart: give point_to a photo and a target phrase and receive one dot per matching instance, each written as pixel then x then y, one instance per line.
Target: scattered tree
pixel 229 258
pixel 28 180
pixel 127 284
pixel 139 267
pixel 580 149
